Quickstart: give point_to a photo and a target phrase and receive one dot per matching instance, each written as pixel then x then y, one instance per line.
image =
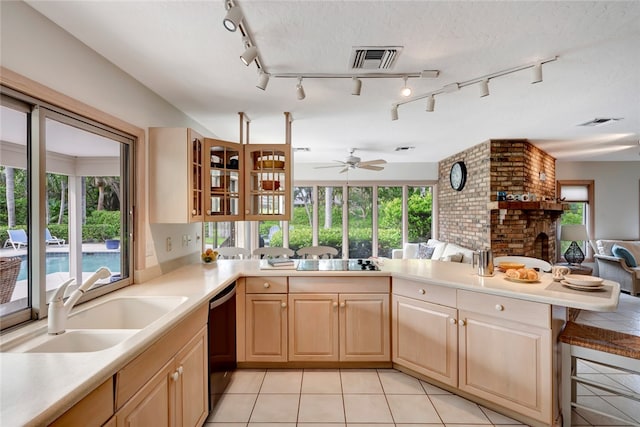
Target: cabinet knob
pixel 343 304
pixel 193 212
pixel 335 304
pixel 266 285
pixel 175 376
pixel 247 211
pixel 452 320
pixel 499 307
pixel 422 291
pixel 461 322
pixel 283 305
pixel 180 370
pixel 208 212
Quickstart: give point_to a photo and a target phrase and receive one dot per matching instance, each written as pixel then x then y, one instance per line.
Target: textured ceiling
pixel 181 51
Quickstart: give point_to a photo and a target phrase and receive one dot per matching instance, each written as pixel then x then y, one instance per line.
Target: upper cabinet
pixel 176 175
pixel 195 179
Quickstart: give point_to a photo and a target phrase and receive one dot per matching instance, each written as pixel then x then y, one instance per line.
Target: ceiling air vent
pixel 374 58
pixel 600 121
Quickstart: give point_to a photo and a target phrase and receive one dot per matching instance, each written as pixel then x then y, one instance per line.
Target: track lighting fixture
pixel 536 76
pixel 233 18
pixel 484 88
pixel 357 86
pixel 300 90
pixel 482 81
pixel 431 103
pixel 249 55
pixel 406 90
pixel 263 80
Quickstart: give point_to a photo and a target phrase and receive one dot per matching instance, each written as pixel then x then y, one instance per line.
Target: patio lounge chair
pixel 17 238
pixel 51 240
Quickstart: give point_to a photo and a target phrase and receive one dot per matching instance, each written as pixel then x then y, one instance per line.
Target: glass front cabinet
pixel 224 198
pixel 268 181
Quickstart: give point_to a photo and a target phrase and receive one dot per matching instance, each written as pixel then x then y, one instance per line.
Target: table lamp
pixel 574 233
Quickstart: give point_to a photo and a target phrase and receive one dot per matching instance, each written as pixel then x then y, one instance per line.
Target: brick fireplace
pixel 475 219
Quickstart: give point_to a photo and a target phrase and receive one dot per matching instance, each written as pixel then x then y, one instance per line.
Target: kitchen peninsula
pixel 37 388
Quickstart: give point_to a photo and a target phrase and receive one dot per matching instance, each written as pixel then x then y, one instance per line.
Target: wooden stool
pixel 609 348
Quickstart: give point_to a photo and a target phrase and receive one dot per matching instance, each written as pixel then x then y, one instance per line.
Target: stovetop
pixel 337 265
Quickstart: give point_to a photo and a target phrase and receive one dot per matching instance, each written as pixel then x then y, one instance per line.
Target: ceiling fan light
pixel 536 76
pixel 431 103
pixel 357 86
pixel 233 18
pixel 484 88
pixel 263 80
pixel 394 112
pixel 300 90
pixel 249 55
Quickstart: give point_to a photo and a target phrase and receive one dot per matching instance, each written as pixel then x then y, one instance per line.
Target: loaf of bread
pixel 522 273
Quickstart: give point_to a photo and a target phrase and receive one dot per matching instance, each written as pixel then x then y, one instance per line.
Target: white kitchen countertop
pixel 35 388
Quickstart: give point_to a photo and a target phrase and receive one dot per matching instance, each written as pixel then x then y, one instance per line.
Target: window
pixel 67 183
pixel 579 195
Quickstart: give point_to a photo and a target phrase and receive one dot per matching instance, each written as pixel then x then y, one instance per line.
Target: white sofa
pixel 442 251
pixel 614 268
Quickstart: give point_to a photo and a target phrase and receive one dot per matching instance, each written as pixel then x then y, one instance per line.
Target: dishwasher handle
pixel 224 296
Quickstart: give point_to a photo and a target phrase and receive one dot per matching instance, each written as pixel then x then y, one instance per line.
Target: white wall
pixel 36 48
pixel 617 195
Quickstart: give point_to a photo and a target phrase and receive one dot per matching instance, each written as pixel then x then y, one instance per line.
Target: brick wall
pixel 513 166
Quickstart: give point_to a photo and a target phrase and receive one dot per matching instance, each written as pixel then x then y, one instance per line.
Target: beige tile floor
pixel 388 398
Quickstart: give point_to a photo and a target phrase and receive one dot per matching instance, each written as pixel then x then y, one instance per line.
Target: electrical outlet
pixel 169 244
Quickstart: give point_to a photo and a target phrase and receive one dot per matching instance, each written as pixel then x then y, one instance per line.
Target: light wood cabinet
pixel 177 395
pixel 506 355
pixel 195 179
pixel 349 326
pixel 93 410
pixel 313 327
pixel 425 338
pixel 224 181
pixel 266 327
pixel 176 175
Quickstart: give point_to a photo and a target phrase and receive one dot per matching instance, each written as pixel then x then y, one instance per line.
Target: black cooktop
pixel 337 265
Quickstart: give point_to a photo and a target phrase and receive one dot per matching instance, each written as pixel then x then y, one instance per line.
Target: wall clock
pixel 458 176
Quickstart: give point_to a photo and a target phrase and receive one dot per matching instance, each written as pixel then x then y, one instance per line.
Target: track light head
pixel 263 80
pixel 233 18
pixel 357 86
pixel 394 112
pixel 300 90
pixel 406 90
pixel 484 88
pixel 431 103
pixel 249 55
pixel 536 76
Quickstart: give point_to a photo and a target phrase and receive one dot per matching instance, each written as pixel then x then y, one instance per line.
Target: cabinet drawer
pixel 339 284
pixel 424 292
pixel 532 313
pixel 266 285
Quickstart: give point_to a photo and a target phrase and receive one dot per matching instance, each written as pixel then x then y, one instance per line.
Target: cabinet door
pixel 313 327
pixel 425 338
pixel 364 327
pixel 152 405
pixel 176 175
pixel 192 405
pixel 224 181
pixel 508 363
pixel 266 327
pixel 268 187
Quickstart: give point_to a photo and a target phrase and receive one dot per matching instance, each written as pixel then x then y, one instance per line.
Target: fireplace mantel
pixel 528 206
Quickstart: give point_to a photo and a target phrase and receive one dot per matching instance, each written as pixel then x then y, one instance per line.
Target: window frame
pixel 589 214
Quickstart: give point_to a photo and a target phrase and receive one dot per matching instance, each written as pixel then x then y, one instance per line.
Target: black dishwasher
pixel 222 342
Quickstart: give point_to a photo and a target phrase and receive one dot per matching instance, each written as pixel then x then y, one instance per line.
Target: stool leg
pixel 567 388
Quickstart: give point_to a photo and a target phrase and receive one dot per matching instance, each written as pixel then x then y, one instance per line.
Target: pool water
pixel 91 261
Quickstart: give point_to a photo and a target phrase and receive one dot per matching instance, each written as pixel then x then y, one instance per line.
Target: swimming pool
pixel 91 261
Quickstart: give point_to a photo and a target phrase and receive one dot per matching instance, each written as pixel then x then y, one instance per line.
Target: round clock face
pixel 458 176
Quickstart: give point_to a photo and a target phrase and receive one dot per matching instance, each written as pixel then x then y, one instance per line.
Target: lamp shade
pixel 573 233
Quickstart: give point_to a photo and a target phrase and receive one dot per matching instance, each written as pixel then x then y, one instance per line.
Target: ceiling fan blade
pixel 342 164
pixel 371 167
pixel 372 162
pixel 346 168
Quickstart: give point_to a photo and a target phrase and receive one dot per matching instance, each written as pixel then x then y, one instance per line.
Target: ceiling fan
pixel 354 162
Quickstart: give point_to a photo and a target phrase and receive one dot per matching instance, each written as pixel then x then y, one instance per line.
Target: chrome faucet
pixel 59 310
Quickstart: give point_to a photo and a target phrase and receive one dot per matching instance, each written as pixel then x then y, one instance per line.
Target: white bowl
pixel 578 279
